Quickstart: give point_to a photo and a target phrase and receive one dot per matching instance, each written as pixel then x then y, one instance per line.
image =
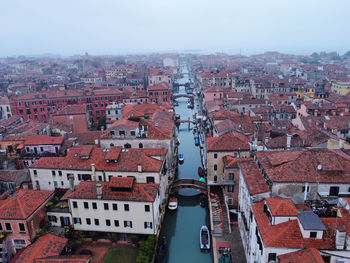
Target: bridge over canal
pixel 188 184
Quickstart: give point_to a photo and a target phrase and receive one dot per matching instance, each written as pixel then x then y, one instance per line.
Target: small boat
pixel 161 251
pixel 196 135
pixel 172 203
pixel 181 158
pixel 196 141
pixel 204 238
pixel 200 172
pixel 203 201
pixel 175 103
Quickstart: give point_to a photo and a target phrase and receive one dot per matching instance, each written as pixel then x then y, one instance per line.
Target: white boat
pixel 204 238
pixel 172 203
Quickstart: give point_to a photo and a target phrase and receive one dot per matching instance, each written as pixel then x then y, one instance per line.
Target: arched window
pixel 127 145
pixel 112 144
pixel 140 145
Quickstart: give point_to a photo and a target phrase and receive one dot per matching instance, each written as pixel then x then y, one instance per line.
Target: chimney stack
pixel 266 140
pixel 289 140
pixel 71 182
pixel 139 167
pixel 99 191
pixel 341 143
pixel 93 172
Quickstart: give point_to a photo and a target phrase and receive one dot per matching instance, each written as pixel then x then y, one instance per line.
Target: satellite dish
pixel 319 167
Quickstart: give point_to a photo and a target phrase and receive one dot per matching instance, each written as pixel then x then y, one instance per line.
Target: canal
pixel 181 227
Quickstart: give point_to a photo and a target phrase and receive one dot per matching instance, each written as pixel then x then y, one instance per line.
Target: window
pixel 272 257
pixel 150 179
pixel 8 227
pixel 148 225
pixel 308 189
pixel 77 220
pixel 115 207
pixel 126 207
pixel 86 205
pixel 215 167
pixel 128 224
pixel 41 149
pixel 36 173
pixel 97 222
pixel 121 133
pixel 94 205
pixel 55 183
pixel 60 173
pixel 88 221
pixel 52 218
pixel 106 207
pixel 75 204
pixel 215 155
pixel 147 208
pixel 231 176
pixel 132 133
pixel 0 227
pixel 230 188
pixel 140 145
pixel 108 222
pixel 116 223
pixel 313 234
pixel 21 227
pixel 334 191
pixel 53 173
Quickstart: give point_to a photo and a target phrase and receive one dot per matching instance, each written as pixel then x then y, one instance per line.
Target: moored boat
pixel 204 238
pixel 172 203
pixel 196 141
pixel 200 172
pixel 181 158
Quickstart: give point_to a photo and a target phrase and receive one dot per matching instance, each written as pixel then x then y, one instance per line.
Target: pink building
pixel 21 215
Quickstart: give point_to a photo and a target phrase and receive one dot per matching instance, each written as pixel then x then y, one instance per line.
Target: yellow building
pixel 341 88
pixel 307 91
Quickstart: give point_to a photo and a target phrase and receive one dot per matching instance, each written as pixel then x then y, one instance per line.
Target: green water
pixel 181 227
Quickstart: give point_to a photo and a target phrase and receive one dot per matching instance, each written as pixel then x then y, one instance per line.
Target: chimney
pixel 289 140
pixel 266 140
pixel 139 167
pixel 93 172
pixel 99 191
pixel 341 143
pixel 71 182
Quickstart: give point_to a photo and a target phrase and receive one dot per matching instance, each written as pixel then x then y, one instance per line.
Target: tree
pixel 101 123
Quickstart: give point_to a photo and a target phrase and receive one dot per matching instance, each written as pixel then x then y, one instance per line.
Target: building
pixel 114 111
pixel 120 206
pixel 39 105
pixel 11 180
pixel 90 163
pixel 73 116
pixel 341 87
pixel 21 215
pixel 5 108
pixel 158 76
pixel 159 93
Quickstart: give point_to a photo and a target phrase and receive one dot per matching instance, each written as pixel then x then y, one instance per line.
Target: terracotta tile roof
pixel 72 110
pixel 43 140
pixel 232 162
pixel 309 255
pixel 23 203
pixel 285 234
pixel 281 142
pixel 139 110
pixel 282 206
pixel 12 175
pixel 138 193
pixel 124 123
pixel 45 246
pixel 253 178
pixel 301 165
pixel 65 259
pixel 81 157
pixel 121 182
pixel 226 142
pixel 86 138
pixel 161 86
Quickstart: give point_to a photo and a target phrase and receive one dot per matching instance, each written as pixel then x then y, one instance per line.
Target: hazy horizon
pixel 66 28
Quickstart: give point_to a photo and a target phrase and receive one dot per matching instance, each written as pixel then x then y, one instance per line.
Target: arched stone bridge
pixel 189 184
pixel 174 97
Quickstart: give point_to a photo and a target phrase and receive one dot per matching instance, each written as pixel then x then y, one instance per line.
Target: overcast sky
pixel 67 27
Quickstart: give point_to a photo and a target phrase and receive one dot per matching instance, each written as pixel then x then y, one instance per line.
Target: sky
pixel 118 27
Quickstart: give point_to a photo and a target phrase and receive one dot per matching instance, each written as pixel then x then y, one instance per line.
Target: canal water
pixel 181 227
